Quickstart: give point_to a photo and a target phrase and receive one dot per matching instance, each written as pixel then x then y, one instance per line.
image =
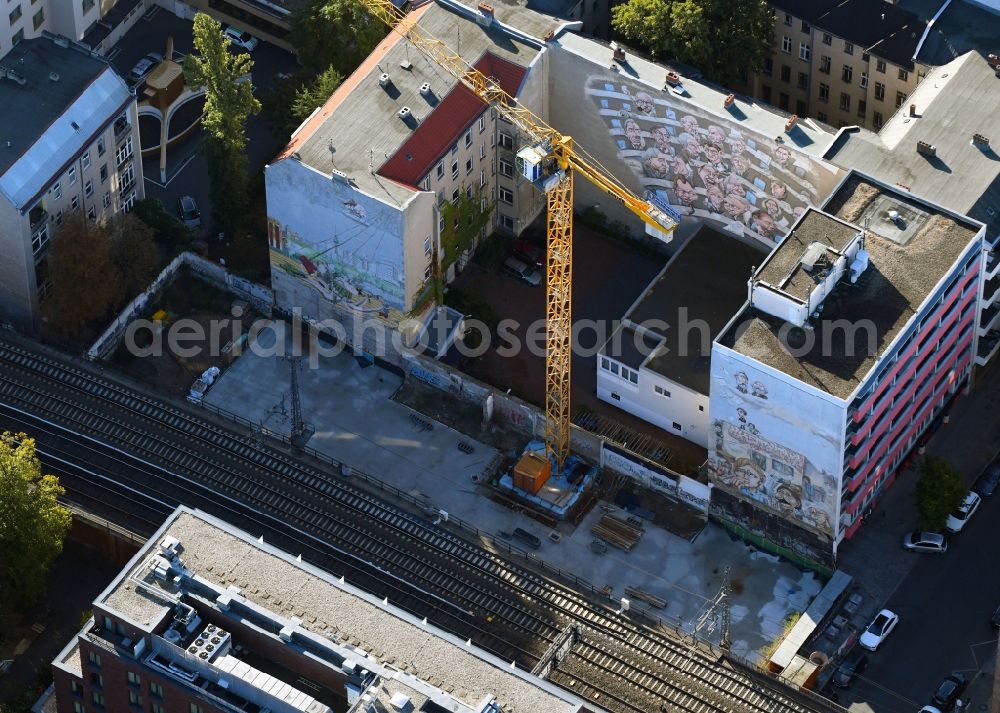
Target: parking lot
pixel 186 170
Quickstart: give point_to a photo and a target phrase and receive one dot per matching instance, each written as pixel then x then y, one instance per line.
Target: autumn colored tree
pixel 32 522
pixel 722 38
pixel 229 102
pixel 134 253
pixel 86 283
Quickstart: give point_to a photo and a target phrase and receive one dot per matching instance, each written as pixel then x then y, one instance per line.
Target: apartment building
pixel 843 63
pixel 355 201
pixel 956 117
pixel 25 19
pixel 860 330
pixel 79 152
pixel 207 618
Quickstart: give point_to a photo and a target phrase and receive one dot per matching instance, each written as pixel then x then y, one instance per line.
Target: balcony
pixel 122 128
pixel 37 217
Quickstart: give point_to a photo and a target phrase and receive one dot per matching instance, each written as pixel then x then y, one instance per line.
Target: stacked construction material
pixel 618 532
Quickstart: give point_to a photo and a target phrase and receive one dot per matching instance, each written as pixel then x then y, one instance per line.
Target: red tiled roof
pixel 450 118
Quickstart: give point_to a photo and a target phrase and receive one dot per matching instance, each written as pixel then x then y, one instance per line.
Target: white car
pixel 241 38
pixel 964 512
pixel 882 625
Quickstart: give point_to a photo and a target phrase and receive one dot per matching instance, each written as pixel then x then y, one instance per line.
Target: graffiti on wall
pixel 762 451
pixel 329 242
pixel 708 168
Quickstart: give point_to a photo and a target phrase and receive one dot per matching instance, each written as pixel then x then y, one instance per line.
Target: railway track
pixel 161 454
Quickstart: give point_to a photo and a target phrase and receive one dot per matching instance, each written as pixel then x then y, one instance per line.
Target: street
pixel 944 601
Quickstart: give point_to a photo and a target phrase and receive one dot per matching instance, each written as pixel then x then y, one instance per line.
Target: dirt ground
pixel 608 276
pixel 191 299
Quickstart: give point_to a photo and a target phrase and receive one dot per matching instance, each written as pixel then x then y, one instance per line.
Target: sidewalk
pixel 969 441
pixel 979 695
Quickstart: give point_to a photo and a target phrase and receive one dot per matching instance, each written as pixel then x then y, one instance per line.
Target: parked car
pixel 241 38
pixel 188 212
pixel 144 66
pixel 925 542
pixel 528 253
pixel 515 268
pixel 880 628
pixel 964 512
pixel 855 663
pixel 988 481
pixel 948 692
pixel 527 538
pixel 995 621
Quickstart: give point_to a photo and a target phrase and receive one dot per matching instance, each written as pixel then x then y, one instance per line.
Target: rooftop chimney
pixel 673 79
pixel 383 79
pixel 619 52
pixel 425 89
pixel 926 149
pixel 405 113
pixel 730 100
pixel 486 14
pixel 792 121
pixel 913 109
pixel 980 141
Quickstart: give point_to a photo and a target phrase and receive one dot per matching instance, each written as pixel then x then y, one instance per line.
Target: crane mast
pixel 550 162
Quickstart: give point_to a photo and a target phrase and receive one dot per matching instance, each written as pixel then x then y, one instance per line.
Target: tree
pixel 229 102
pixel 32 523
pixel 86 284
pixel 334 33
pixel 313 95
pixel 940 490
pixel 722 38
pixel 167 227
pixel 134 253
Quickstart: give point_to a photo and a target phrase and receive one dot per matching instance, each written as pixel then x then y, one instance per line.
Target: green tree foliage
pixel 334 33
pixel 32 523
pixel 85 280
pixel 939 491
pixel 229 101
pixel 722 38
pixel 463 220
pixel 167 227
pixel 310 96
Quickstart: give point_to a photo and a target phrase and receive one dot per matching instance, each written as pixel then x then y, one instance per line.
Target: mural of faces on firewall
pixel 708 167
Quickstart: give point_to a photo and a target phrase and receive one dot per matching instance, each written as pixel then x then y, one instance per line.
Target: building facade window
pixel 877 120
pixel 827 38
pixel 847 74
pixel 786 45
pixel 77 707
pixel 786 73
pixel 768 66
pixel 824 64
pixel 662 392
pixel 862 107
pixel 134 699
pixel 74 202
pixel 98 699
pixel 157 708
pixel 505 195
pixel 88 187
pixel 106 201
pixel 904 76
pixel 195 708
pixel 18 36
pixel 845 101
pixel 788 20
pixel 71 175
pixel 803 82
pixel 822 116
pixel 900 98
pixel 806 27
pixel 124 152
pixel 506 141
pixel 879 91
pixel 783 100
pixel 482 123
pixel 848 47
pixel 85 160
pixel 92 214
pixel 439 171
pixel 39 19
pixel 482 151
pixel 805 52
pixel 506 169
pixel 14 15
pixel 87 6
pixel 56 190
pixel 155 689
pixel 864 80
pixel 824 92
pixel 506 222
pixel 468 138
pixel 101 147
pixel 128 202
pixel 880 66
pixel 468 166
pixel 39 241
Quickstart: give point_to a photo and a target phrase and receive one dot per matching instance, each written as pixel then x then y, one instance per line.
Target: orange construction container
pixel 531 472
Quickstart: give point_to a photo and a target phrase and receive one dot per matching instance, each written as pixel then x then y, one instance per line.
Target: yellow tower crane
pixel 549 161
